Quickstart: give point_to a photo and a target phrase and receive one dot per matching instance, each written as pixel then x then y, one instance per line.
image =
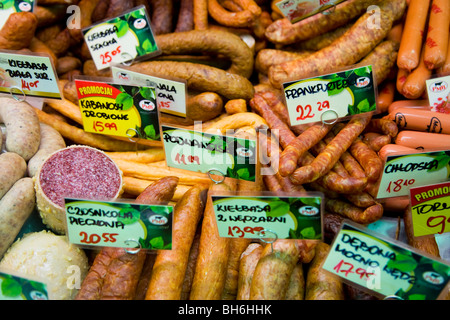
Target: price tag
pixel 12 6
pixel 438 91
pixel 404 171
pixel 119 224
pixel 202 152
pixel 121 39
pixel 170 94
pixel 430 209
pixel 296 10
pixel 13 287
pixel 331 97
pixel 118 110
pixel 29 75
pixel 288 217
pixel 384 267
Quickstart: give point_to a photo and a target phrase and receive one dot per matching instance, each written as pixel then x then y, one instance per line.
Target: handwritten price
pixel 241 232
pixel 107 56
pixel 307 111
pixel 182 159
pixel 434 222
pixel 95 238
pixel 396 186
pixel 347 268
pixel 100 126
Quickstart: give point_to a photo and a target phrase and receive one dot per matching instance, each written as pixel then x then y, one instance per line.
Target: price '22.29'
pixel 306 112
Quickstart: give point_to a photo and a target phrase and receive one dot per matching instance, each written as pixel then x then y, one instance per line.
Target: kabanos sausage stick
pixel 200 14
pixel 322 285
pixel 421 120
pixel 415 83
pixel 437 36
pixel 337 54
pixel 282 31
pixel 422 140
pixel 114 274
pixel 170 265
pixel 413 34
pixel 290 155
pixel 247 264
pixel 273 271
pixel 333 151
pixel 211 266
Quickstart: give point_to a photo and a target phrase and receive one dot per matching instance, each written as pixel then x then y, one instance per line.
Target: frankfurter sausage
pixel 12 168
pixel 170 265
pixel 282 31
pixel 392 148
pixel 22 127
pixel 421 120
pixel 437 35
pixel 15 208
pixel 445 68
pixel 51 140
pixel 415 82
pixel 402 74
pixel 413 33
pixel 385 96
pixel 322 285
pixel 422 140
pixel 336 55
pixel 415 104
pixel 247 264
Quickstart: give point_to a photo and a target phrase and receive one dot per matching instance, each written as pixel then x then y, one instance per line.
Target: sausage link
pixel 12 168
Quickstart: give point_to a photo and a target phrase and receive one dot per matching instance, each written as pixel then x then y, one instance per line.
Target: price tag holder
pixel 170 94
pixel 119 224
pixel 330 97
pixel 437 91
pixel 296 10
pixel 12 6
pixel 118 109
pixel 203 152
pixel 28 75
pixel 288 216
pixel 430 209
pixel 15 287
pixel 122 39
pixel 385 267
pixel 403 171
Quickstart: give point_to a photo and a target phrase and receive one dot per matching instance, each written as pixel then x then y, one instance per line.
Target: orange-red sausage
pixel 393 149
pixel 415 83
pixel 423 140
pixel 437 35
pixel 413 32
pixel 421 120
pixel 385 96
pixel 415 104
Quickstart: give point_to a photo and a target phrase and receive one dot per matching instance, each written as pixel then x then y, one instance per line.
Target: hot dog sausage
pixel 422 140
pixel 421 120
pixel 415 104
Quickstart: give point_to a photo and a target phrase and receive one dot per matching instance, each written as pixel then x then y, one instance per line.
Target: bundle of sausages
pixel 234 56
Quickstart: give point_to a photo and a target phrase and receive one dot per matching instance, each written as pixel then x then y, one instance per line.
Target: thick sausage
pixel 422 140
pixel 162 16
pixel 421 120
pixel 415 82
pixel 385 96
pixel 415 104
pixel 211 267
pixel 213 41
pixel 382 59
pixel 320 284
pixel 413 34
pixel 354 213
pixel 333 151
pixel 383 126
pixel 12 168
pixel 199 77
pixel 247 264
pixel 376 140
pixel 368 158
pixel 190 270
pixel 296 287
pixel 51 140
pixel 18 30
pixel 239 19
pixel 402 74
pixel 115 273
pixel 391 148
pixel 185 21
pixel 15 208
pixel 22 127
pixel 362 38
pixel 201 14
pixel 282 31
pixel 268 57
pixel 170 265
pixel 272 273
pixel 437 35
